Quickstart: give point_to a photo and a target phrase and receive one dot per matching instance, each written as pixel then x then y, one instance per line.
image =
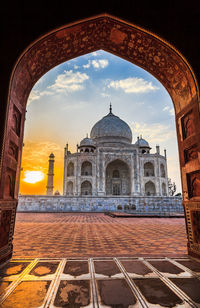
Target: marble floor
pixel 100 282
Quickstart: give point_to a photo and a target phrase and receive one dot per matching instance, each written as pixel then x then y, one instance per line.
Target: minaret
pixel 50 175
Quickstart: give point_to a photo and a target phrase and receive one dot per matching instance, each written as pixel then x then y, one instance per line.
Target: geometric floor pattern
pixel 100 282
pixel 63 235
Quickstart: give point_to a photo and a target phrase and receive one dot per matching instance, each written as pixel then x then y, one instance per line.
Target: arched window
pixel 148 169
pixel 164 191
pixel 115 173
pixel 86 168
pixel 162 170
pixel 69 188
pixel 70 169
pixel 87 150
pixel 86 188
pixel 150 189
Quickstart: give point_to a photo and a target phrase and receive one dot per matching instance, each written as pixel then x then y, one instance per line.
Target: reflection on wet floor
pixel 156 292
pixel 100 282
pixel 115 293
pixel 71 293
pixel 106 268
pixel 136 267
pixel 76 268
pixel 27 294
pixel 44 268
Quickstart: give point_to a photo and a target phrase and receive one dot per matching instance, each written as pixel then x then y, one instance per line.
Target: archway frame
pixel 131 43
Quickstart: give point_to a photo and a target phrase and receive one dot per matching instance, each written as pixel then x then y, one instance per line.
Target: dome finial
pixel 110 107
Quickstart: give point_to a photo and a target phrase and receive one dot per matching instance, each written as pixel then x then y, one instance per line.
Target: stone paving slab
pixel 51 235
pixel 126 282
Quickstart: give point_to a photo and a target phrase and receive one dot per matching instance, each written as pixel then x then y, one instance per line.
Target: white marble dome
pixel 87 142
pixel 142 143
pixel 111 129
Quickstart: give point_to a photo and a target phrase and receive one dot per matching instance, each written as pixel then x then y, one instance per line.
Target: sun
pixel 33 176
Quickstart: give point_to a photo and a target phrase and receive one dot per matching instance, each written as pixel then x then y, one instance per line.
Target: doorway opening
pixel 127 167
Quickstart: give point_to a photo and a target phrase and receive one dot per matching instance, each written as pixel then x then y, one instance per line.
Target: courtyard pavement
pixel 63 235
pixel 92 260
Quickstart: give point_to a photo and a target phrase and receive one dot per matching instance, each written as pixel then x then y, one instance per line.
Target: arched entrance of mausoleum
pixel 127 41
pixel 117 178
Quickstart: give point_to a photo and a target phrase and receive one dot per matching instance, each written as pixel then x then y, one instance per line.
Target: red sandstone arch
pixel 127 41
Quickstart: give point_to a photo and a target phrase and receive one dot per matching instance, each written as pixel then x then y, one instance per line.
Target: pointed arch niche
pixel 131 43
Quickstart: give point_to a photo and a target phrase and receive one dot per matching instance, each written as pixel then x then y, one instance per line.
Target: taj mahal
pixel 108 173
pixel 109 164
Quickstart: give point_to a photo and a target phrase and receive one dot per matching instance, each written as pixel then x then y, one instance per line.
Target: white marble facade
pixel 109 164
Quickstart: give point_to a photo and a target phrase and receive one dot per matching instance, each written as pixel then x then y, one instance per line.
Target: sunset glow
pixel 33 176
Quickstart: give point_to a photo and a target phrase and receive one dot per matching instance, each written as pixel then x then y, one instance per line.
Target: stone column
pixel 166 172
pixel 50 175
pixel 65 169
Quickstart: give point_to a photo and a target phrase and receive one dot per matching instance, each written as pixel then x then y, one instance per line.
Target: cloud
pixel 69 81
pixel 105 94
pixel 36 154
pixel 34 95
pixel 78 105
pixel 35 158
pixel 87 65
pixel 170 110
pixel 96 53
pixel 132 85
pixel 153 133
pixel 97 64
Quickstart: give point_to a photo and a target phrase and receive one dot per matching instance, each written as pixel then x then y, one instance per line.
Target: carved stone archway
pixel 129 42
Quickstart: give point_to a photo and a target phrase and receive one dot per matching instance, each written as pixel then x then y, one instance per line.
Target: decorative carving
pixel 115 36
pixel 9 184
pixel 111 157
pixel 191 153
pixel 16 121
pixel 13 150
pixel 5 219
pixel 195 217
pixel 194 184
pixel 188 125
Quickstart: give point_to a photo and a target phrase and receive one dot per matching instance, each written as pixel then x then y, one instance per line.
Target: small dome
pixel 57 193
pixel 87 142
pixel 142 143
pixel 111 129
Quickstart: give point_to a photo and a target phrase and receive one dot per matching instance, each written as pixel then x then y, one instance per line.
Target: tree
pixel 172 187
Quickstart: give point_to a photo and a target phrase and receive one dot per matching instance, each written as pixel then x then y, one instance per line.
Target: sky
pixel 68 100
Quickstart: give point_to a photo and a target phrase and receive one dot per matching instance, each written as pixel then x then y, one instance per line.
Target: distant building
pixel 109 164
pixel 109 173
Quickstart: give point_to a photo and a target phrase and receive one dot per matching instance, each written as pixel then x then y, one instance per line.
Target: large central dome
pixel 111 129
